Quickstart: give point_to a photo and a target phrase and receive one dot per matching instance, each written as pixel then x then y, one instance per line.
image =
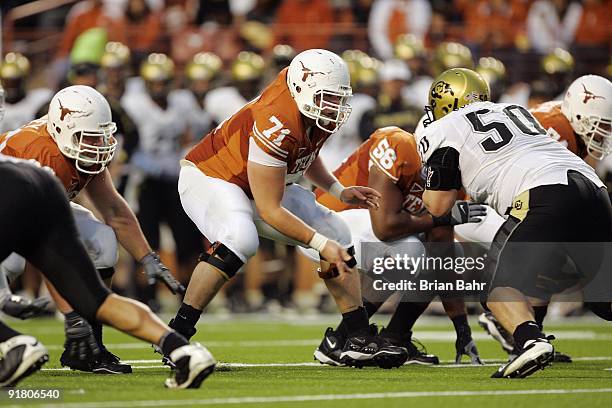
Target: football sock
pixel 170 341
pixel 370 308
pixel 405 316
pixel 6 332
pixel 186 318
pixel 462 328
pixel 540 314
pixel 526 331
pixel 96 328
pixel 355 320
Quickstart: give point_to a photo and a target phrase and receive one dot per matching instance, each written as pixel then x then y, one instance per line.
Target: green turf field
pixel 266 361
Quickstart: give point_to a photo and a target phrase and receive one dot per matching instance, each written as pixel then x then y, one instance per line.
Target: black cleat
pixel 417 354
pixel 330 349
pixel 367 348
pixel 108 363
pixel 20 356
pixel 536 355
pixel 561 358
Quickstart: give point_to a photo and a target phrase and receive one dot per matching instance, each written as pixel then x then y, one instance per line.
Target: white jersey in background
pixel 198 119
pixel 221 103
pixel 23 112
pixel 162 134
pixel 503 151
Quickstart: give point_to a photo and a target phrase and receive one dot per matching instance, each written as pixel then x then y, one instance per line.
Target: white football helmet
pixel 588 107
pixel 80 122
pixel 320 84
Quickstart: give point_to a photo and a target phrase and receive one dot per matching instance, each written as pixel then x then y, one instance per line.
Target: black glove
pixel 469 349
pixel 461 213
pixel 80 348
pixel 17 306
pixel 156 270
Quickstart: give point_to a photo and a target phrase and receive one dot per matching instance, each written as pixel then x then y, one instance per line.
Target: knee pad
pixel 332 271
pixel 222 258
pixel 601 309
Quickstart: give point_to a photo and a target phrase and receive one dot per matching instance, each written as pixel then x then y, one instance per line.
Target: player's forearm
pixel 318 174
pixel 126 227
pixel 288 224
pixel 401 225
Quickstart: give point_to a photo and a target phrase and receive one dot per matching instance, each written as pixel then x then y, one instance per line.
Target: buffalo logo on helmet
pixel 588 95
pixel 441 88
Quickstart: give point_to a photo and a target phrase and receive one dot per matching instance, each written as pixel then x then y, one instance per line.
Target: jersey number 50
pixel 520 116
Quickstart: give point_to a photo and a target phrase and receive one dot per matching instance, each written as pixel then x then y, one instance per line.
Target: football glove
pixel 80 348
pixel 17 306
pixel 461 213
pixel 156 270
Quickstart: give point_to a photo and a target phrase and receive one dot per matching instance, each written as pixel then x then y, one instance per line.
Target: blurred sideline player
pixel 76 141
pixel 389 163
pixel 238 183
pixel 162 125
pixel 536 182
pixel 37 223
pixel 21 104
pixel 581 122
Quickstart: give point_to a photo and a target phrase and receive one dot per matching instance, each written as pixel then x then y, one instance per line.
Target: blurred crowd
pixel 173 70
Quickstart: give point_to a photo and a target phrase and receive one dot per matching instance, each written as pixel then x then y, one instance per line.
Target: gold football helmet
pixel 451 55
pixel 116 55
pixel 454 89
pixel 559 61
pixel 247 66
pixel 157 67
pixel 408 46
pixel 204 65
pixel 14 66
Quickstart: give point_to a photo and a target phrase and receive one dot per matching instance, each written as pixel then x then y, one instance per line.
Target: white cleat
pixel 490 324
pixel 193 364
pixel 536 355
pixel 20 356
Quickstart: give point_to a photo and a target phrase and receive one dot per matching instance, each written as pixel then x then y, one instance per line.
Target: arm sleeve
pixel 259 156
pixel 442 171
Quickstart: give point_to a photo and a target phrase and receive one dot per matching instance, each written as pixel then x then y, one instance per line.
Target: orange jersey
pixel 394 152
pixel 556 124
pixel 32 141
pixel 274 122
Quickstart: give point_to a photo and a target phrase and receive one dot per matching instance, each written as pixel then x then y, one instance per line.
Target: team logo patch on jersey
pixel 518 204
pixel 588 95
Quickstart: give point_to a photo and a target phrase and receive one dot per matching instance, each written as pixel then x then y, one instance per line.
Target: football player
pixel 502 156
pixel 76 141
pixel 37 223
pixel 21 104
pixel 389 163
pixel 239 183
pixel 579 122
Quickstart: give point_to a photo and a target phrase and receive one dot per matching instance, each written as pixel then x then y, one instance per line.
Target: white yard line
pixel 427 336
pixel 155 363
pixel 321 397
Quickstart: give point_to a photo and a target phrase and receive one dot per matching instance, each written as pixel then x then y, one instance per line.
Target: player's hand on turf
pixel 17 306
pixel 334 253
pixel 364 197
pixel 80 345
pixel 156 270
pixel 469 350
pixel 462 212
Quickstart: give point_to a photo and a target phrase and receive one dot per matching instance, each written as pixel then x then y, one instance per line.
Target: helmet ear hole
pixel 578 117
pixel 57 128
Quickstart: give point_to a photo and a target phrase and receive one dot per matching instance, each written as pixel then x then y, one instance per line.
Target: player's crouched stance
pixel 236 185
pixel 37 223
pixel 501 155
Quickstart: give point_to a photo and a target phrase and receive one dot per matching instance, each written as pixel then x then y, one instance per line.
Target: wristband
pixel 318 242
pixel 444 220
pixel 336 189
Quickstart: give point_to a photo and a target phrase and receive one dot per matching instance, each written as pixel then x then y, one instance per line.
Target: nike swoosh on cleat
pixel 330 343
